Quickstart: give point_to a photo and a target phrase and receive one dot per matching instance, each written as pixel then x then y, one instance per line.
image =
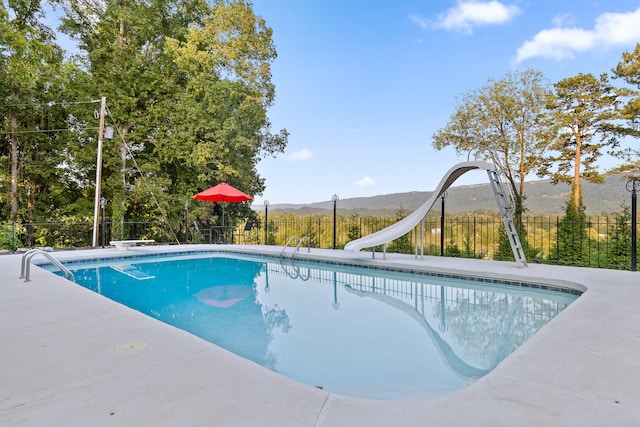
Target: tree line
pixel 528 126
pixel 187 87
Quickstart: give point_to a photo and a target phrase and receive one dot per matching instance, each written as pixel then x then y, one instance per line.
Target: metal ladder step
pixel 504 205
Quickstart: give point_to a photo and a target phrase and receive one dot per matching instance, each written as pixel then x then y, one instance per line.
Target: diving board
pixel 123 245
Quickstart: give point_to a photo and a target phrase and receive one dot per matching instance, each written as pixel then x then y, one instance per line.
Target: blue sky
pixel 362 86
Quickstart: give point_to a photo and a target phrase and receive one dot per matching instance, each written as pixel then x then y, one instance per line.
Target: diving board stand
pixel 124 245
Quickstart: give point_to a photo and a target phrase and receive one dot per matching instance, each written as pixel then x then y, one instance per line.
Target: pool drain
pixel 131 346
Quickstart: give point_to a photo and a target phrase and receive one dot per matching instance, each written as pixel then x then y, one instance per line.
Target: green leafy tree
pixel 505 252
pixel 353 229
pixel 468 251
pixel 311 231
pixel 219 120
pixel 123 47
pixel 628 69
pixel 32 74
pixel 452 249
pixel 187 86
pixel 509 120
pixel 403 243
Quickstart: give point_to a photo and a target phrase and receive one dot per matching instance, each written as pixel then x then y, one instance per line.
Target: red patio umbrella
pixel 222 193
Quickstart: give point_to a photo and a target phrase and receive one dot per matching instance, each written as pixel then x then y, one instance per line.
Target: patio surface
pixel 70 357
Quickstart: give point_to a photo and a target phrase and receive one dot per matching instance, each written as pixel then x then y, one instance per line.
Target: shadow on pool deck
pixel 74 358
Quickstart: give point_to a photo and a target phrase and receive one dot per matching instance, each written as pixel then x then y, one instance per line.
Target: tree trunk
pixel 576 176
pixel 120 194
pixel 123 177
pixel 13 125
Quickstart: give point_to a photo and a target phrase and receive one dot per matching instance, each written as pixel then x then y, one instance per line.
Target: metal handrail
pixel 287 244
pixel 25 268
pixel 300 242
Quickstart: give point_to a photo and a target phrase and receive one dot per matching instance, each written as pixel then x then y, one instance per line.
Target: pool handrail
pixel 300 244
pixel 300 241
pixel 25 267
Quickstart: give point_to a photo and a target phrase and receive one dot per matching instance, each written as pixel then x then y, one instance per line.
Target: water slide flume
pixel 407 224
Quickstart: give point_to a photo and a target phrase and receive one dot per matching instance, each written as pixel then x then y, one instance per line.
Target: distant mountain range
pixel 542 198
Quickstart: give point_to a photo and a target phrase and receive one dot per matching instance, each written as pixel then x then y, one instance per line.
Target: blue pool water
pixel 358 332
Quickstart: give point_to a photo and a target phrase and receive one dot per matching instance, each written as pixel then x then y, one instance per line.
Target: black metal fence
pixel 606 244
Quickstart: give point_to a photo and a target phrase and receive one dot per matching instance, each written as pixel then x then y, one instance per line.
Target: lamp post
pixel 186 221
pixel 266 222
pixel 103 203
pixel 632 186
pixel 442 197
pixel 335 199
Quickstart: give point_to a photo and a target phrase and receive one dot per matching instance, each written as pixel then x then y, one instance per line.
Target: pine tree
pixel 572 243
pixel 353 229
pixel 619 242
pixel 505 252
pixel 403 243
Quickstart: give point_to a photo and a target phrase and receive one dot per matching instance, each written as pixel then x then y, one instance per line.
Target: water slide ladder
pixel 498 184
pixel 25 268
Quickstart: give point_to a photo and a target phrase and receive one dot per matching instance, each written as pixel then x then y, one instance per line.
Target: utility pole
pixel 96 210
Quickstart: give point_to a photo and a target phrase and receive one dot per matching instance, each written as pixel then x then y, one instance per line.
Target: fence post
pixel 474 236
pixel 632 186
pixel 266 222
pixel 634 226
pixel 442 197
pixel 186 221
pixel 557 235
pixel 334 198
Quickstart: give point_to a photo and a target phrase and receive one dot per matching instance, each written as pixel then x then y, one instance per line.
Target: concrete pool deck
pixel 70 357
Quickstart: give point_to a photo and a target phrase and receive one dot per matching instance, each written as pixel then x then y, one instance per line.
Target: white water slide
pixel 407 224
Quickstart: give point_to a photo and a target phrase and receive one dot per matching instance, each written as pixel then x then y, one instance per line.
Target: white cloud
pixel 365 182
pixel 420 21
pixel 300 155
pixel 470 14
pixel 564 20
pixel 610 30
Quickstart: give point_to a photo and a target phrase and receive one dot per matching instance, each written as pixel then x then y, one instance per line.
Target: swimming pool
pixel 359 332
